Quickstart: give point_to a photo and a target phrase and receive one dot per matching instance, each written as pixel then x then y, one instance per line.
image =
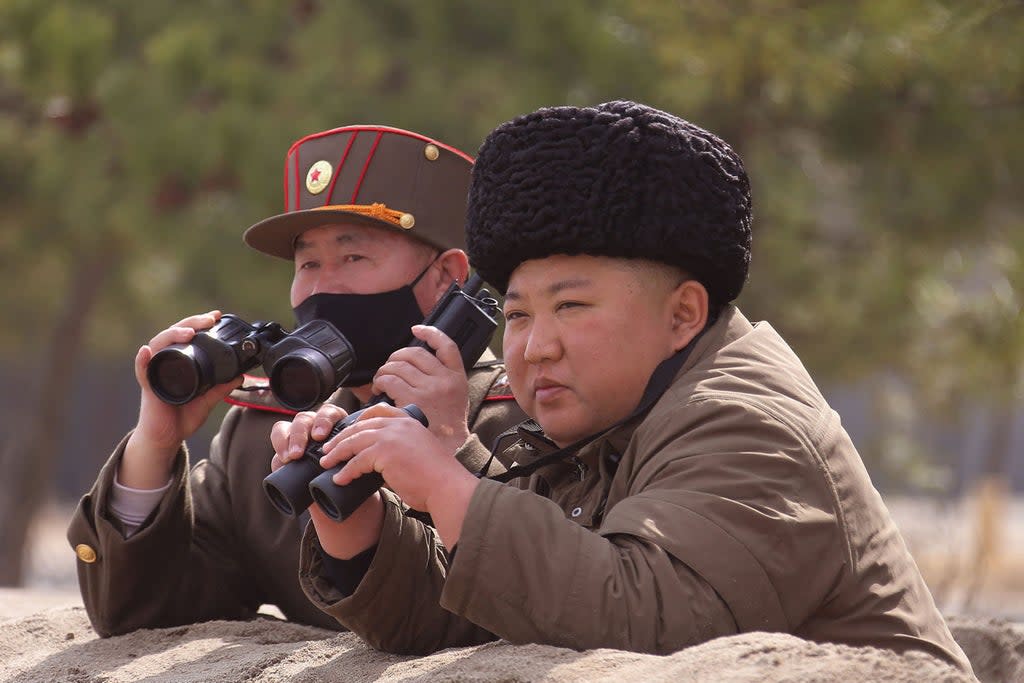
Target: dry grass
pixel 970 551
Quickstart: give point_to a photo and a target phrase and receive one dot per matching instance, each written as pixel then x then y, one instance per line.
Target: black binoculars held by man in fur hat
pixel 681 478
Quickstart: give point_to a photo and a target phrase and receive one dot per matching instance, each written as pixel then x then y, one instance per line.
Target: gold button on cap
pixel 85 553
pixel 431 152
pixel 407 220
pixel 319 176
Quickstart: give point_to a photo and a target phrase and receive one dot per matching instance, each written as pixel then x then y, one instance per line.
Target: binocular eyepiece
pixel 304 366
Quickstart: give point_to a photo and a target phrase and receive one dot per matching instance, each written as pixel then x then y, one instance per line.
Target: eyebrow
pixel 553 288
pixel 343 238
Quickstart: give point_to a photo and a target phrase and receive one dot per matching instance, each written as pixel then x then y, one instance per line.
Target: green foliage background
pixel 883 139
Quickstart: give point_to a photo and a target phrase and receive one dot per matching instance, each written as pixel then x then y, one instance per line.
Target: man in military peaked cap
pixel 682 477
pixel 373 223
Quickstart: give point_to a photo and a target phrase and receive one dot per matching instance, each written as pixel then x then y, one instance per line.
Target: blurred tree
pixel 880 138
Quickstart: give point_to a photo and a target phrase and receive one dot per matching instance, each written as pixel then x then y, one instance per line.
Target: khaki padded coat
pixel 736 503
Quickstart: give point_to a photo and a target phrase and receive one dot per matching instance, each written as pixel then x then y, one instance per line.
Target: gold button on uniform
pixel 85 553
pixel 431 152
pixel 407 220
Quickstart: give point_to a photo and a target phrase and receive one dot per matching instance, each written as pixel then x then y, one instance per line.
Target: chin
pixel 561 437
pixel 562 428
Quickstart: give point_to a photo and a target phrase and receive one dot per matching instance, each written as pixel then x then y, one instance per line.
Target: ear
pixel 689 310
pixel 451 265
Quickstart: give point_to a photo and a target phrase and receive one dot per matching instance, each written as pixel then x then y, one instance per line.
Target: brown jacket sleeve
pixel 176 569
pixel 584 590
pixel 396 605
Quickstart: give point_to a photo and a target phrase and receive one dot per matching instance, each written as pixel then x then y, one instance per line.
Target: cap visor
pixel 276 235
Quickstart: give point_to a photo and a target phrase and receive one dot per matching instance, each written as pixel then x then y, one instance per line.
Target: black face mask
pixel 376 325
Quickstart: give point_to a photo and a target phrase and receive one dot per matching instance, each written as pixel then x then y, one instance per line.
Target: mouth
pixel 546 390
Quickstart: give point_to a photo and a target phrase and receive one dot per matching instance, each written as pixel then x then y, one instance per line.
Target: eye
pixel 569 304
pixel 308 265
pixel 352 258
pixel 513 315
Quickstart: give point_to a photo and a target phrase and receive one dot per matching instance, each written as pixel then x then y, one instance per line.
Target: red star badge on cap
pixel 318 177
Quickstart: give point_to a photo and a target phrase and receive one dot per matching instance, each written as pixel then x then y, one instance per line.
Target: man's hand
pixel 149 454
pixel 360 530
pixel 435 383
pixel 415 464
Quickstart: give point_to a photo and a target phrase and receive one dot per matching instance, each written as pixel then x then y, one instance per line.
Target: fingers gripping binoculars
pixel 293 487
pixel 304 366
pixel 470 322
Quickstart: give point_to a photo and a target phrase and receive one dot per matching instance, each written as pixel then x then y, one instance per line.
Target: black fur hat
pixel 619 179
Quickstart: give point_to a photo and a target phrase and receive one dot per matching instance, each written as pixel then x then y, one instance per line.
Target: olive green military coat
pixel 736 503
pixel 215 547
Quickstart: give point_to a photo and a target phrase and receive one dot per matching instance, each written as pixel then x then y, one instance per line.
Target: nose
pixel 330 279
pixel 542 343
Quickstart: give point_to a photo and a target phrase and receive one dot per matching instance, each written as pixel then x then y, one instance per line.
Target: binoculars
pixel 293 487
pixel 304 366
pixel 470 322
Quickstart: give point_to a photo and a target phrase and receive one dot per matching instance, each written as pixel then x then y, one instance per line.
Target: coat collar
pixel 730 326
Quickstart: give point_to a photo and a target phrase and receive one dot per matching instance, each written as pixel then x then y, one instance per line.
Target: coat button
pixel 85 553
pixel 431 152
pixel 576 512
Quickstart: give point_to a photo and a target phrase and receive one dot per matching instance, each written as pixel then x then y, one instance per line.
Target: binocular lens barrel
pixel 308 365
pixel 338 502
pixel 180 372
pixel 288 487
pixel 303 379
pixel 176 373
pixel 293 487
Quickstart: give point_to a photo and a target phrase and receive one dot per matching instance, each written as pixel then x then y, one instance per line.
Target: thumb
pixel 142 358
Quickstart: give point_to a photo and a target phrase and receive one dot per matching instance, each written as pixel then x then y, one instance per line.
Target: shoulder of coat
pixel 500 389
pixel 255 394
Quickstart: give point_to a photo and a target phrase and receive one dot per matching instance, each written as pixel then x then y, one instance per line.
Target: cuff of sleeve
pixel 96 526
pixel 319 584
pixel 104 492
pixel 132 506
pixel 346 574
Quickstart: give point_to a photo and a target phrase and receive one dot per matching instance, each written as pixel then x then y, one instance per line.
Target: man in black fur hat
pixel 681 478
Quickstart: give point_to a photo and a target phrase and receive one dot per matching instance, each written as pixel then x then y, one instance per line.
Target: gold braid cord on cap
pixel 381 212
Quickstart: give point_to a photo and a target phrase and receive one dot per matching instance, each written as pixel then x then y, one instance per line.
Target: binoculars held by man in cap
pixel 304 366
pixel 465 315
